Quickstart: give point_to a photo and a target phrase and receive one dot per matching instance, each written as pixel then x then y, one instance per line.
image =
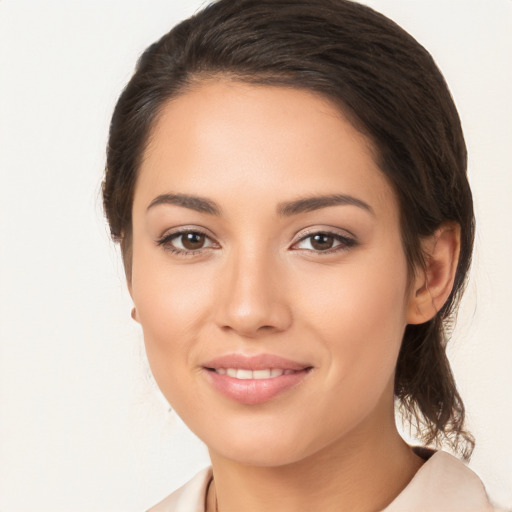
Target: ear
pixel 134 313
pixel 434 282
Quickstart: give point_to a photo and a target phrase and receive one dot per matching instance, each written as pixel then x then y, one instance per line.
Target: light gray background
pixel 82 427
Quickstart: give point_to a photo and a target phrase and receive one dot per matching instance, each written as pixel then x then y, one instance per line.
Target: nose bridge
pixel 254 299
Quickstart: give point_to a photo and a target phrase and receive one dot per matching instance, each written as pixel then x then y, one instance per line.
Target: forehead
pixel 226 139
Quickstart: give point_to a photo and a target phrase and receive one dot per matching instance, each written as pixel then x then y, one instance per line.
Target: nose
pixel 252 296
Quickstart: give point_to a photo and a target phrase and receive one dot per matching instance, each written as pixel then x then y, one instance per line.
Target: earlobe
pixel 134 314
pixel 434 282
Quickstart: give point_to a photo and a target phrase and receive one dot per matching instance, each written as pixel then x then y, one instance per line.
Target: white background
pixel 82 426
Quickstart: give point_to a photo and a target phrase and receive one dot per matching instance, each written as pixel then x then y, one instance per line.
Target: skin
pixel 259 285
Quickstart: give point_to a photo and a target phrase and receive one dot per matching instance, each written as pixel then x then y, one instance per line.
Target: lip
pixel 256 362
pixel 254 391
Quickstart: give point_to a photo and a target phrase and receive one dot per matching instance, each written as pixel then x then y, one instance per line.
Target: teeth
pixel 262 374
pixel 243 374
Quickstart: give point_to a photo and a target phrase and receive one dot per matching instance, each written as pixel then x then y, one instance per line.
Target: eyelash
pixel 165 242
pixel 345 242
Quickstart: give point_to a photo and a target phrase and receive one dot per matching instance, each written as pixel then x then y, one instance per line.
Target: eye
pixel 186 242
pixel 324 242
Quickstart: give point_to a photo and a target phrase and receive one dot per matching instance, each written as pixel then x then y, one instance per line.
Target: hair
pixel 391 90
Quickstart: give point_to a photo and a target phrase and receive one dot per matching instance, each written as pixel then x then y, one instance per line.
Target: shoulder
pixel 443 483
pixel 188 498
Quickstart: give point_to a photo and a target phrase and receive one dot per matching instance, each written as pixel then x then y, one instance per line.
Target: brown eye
pixel 322 241
pixel 187 242
pixel 192 241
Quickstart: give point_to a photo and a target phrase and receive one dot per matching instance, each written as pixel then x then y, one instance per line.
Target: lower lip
pixel 254 391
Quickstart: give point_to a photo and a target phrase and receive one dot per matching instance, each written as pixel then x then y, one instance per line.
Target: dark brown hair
pixel 389 87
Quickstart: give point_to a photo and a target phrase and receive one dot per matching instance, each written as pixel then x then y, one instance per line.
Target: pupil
pixel 322 241
pixel 193 240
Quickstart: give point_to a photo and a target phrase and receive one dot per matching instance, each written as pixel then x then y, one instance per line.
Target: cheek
pixel 358 313
pixel 171 305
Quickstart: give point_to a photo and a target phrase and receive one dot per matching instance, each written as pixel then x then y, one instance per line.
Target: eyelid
pixel 165 239
pixel 328 230
pixel 188 228
pixel 346 238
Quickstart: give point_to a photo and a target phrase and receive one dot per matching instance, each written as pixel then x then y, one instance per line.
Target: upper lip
pixel 255 362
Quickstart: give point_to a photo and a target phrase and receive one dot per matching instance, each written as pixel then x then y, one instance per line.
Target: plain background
pixel 83 427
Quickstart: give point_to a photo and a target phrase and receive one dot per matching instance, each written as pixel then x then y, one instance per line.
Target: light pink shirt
pixel 442 484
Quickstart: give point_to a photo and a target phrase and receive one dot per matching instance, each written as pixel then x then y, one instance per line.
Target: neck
pixel 362 472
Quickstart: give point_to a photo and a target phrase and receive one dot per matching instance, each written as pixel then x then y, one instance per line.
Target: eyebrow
pixel 199 204
pixel 286 209
pixel 309 204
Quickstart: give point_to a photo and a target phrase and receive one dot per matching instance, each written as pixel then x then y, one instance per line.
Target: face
pixel 268 272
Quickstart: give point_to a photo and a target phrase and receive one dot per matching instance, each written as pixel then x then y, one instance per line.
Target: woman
pixel 287 181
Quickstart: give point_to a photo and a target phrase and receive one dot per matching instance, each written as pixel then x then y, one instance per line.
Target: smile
pixel 254 379
pixel 244 374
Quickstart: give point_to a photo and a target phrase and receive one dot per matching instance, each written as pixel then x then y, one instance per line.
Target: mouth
pixel 254 380
pixel 246 374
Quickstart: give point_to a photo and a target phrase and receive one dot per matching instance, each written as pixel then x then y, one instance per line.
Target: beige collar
pixel 442 484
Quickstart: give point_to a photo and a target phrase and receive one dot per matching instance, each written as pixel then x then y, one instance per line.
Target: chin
pixel 271 455
pixel 264 447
